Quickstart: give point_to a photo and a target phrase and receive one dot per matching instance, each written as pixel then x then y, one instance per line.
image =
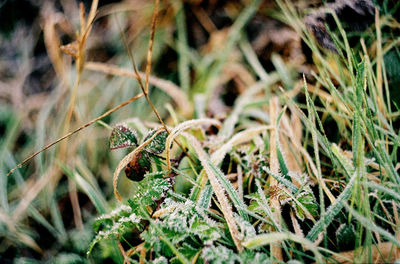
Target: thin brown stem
pixel 123 252
pixel 276 250
pixel 73 196
pixel 75 131
pixel 151 42
pixel 138 78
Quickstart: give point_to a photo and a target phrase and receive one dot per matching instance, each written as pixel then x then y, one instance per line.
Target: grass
pixel 303 166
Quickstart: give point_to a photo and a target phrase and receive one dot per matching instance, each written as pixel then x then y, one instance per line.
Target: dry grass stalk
pixel 145 86
pixel 164 211
pixel 85 29
pixel 239 138
pixel 276 250
pixel 218 190
pixel 240 181
pixel 204 19
pixel 123 252
pixel 73 196
pixel 151 42
pixel 52 43
pixel 292 156
pixel 182 127
pixel 138 78
pixel 75 131
pixel 168 87
pixel 381 253
pixel 80 59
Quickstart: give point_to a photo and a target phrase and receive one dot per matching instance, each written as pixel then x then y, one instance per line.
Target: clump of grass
pixel 285 188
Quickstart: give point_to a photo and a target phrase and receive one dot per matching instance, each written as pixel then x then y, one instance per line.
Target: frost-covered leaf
pixel 306 200
pixel 205 197
pixel 219 255
pixel 157 145
pixel 255 203
pixel 249 256
pixel 182 225
pixel 222 255
pixel 285 181
pixel 122 210
pixel 148 191
pixel 188 250
pixel 302 202
pixel 294 261
pixel 187 219
pixel 204 230
pixel 246 229
pixel 309 202
pixel 122 136
pixel 258 206
pixel 345 236
pixel 159 260
pixel 117 222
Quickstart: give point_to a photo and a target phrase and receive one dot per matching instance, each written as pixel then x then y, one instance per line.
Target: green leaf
pixel 157 145
pixel 332 210
pixel 345 236
pixel 114 224
pixel 205 197
pixel 282 180
pixel 307 200
pixel 149 190
pixel 239 204
pixel 122 136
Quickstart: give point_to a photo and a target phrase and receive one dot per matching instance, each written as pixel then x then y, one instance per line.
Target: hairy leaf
pixel 122 136
pixel 157 145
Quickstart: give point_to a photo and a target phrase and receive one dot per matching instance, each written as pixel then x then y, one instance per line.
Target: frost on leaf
pixel 221 254
pixel 345 236
pixel 117 222
pixel 257 205
pixel 160 260
pixel 246 229
pixel 303 202
pixel 122 136
pixel 183 225
pixel 148 191
pixel 157 145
